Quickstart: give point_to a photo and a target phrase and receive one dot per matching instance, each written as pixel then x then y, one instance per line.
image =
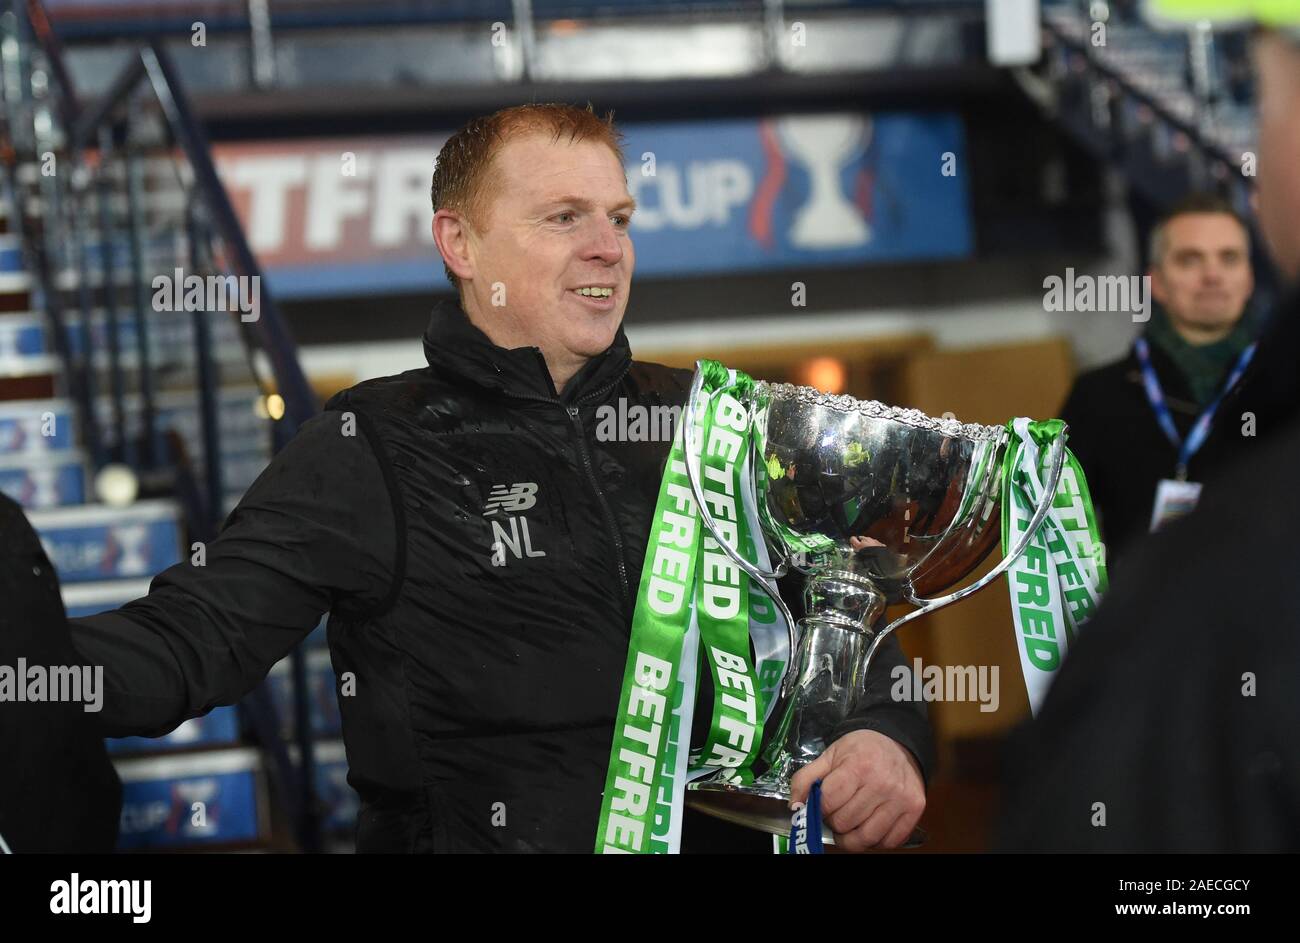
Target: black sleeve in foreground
pixel 905 722
pixel 1170 727
pixel 316 532
pixel 58 790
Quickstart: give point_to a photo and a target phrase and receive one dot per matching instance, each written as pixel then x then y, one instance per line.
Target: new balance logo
pixel 520 496
pixel 513 498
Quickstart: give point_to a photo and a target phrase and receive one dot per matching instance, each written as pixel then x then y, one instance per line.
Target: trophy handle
pixel 692 475
pixel 1056 460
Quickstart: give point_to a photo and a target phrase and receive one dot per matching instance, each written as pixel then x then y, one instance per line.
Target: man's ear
pixel 451 233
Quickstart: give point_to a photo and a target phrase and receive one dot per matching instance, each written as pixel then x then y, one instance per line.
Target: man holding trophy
pixel 478 549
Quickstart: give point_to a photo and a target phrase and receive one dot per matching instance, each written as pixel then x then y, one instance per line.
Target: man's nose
pixel 604 243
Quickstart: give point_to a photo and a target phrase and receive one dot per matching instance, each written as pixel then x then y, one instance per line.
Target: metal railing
pixel 121 210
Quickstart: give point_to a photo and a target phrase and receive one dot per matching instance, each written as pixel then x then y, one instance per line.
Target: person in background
pixel 1168 411
pixel 1174 724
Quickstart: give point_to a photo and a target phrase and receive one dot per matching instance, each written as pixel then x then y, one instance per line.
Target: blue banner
pixel 743 194
pixel 837 189
pixel 172 807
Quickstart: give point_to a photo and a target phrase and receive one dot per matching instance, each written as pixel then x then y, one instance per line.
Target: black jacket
pixel 1177 709
pixel 478 550
pixel 1124 454
pixel 58 790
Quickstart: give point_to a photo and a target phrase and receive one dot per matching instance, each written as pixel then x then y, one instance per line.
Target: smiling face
pixel 555 224
pixel 1203 277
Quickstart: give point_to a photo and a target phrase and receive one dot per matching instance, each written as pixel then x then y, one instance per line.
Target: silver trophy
pixel 876 505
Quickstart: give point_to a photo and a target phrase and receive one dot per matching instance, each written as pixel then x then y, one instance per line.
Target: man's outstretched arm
pixel 316 532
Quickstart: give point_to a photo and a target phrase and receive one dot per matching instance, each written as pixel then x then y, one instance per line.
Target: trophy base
pixel 763 805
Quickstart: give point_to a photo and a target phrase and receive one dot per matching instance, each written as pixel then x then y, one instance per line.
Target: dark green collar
pixel 1203 366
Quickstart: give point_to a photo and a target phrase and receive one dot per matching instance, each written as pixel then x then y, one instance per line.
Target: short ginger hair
pixel 463 175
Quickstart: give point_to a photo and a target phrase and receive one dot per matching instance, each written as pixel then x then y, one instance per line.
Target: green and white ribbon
pixel 693 598
pixel 1057 583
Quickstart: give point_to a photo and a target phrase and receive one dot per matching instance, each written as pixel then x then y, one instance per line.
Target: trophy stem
pixel 822 687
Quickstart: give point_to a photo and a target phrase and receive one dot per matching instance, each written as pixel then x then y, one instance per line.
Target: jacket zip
pixel 605 513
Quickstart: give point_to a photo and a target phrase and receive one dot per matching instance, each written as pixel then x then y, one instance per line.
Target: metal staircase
pixel 1172 110
pixel 130 426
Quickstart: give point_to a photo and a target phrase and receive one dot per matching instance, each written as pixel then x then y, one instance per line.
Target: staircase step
pixel 37 386
pixel 171 338
pixel 162 167
pixel 95 542
pixel 24 349
pixel 36 427
pixel 37 365
pixel 217 728
pixel 15 301
pixel 241 428
pixel 159 793
pixel 88 599
pixel 245 436
pixel 15 282
pixel 40 482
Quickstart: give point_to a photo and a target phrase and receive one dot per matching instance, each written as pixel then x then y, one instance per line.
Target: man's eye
pixel 562 217
pixel 621 221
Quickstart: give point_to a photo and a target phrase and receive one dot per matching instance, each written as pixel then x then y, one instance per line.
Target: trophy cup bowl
pixel 903 505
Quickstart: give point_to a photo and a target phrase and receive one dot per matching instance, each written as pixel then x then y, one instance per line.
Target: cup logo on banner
pixel 128 552
pixel 825 145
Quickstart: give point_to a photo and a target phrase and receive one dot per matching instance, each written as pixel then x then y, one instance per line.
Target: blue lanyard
pixel 1201 429
pixel 806 825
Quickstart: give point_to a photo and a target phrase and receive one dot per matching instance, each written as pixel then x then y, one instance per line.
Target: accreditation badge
pixel 1174 499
